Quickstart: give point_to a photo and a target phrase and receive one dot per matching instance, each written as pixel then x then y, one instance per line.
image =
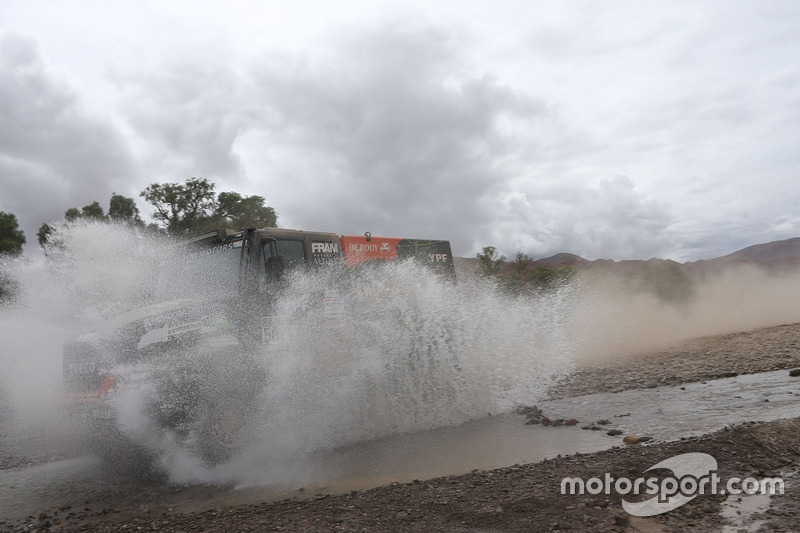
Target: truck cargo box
pixel 431 253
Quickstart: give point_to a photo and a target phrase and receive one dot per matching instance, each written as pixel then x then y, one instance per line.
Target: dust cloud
pixel 612 320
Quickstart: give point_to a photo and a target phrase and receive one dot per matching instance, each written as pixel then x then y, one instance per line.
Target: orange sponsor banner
pixel 356 249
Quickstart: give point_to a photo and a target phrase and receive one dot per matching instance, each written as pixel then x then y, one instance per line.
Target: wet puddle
pixel 668 413
pixel 741 512
pixel 665 413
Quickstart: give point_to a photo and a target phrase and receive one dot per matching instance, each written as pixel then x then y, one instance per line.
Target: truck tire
pixel 225 427
pixel 228 408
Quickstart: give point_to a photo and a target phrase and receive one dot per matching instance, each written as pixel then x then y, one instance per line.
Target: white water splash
pixel 413 352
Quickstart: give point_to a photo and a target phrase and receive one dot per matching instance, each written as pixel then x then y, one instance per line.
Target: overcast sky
pixel 619 129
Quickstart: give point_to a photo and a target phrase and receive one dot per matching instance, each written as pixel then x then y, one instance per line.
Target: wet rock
pixel 557 423
pixel 645 439
pixel 571 422
pixel 545 421
pixel 795 372
pixel 529 410
pixel 604 422
pixel 630 440
pixel 614 432
pixel 532 413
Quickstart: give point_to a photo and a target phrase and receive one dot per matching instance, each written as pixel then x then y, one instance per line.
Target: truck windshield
pixel 208 272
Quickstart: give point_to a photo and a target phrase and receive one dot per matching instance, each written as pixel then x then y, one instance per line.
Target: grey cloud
pixel 608 220
pixel 189 113
pixel 400 129
pixel 53 153
pixel 405 141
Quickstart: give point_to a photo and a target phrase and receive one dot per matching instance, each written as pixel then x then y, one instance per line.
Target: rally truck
pixel 214 307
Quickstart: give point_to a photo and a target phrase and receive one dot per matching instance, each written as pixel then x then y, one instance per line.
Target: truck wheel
pixel 227 410
pixel 224 429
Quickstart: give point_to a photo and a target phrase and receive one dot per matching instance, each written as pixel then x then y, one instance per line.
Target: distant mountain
pixel 564 259
pixel 763 253
pixel 776 256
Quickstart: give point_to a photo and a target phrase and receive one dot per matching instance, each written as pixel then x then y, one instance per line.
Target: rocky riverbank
pixel 706 358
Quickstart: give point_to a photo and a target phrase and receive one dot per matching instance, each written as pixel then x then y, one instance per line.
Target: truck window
pixel 211 268
pixel 292 252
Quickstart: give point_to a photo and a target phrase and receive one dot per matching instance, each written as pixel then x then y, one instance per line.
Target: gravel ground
pixel 706 358
pixel 527 497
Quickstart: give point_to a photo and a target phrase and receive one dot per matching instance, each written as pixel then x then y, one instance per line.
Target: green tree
pixel 11 237
pixel 181 207
pixel 72 214
pixel 123 209
pixel 545 277
pixel 236 212
pixel 44 234
pixel 11 240
pixel 192 207
pixel 93 211
pixel 521 264
pixel 523 275
pixel 491 263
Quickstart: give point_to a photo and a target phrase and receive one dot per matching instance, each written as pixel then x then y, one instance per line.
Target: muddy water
pixel 665 413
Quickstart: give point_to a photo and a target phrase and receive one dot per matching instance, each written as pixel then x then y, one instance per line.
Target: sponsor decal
pixel 324 247
pixel 222 248
pixel 358 250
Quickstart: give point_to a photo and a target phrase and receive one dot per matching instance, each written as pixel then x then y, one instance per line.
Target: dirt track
pixel 527 497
